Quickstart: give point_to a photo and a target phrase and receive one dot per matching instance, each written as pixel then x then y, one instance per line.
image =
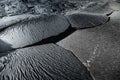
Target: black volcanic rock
pixel 98 48
pixel 27 23
pixel 86 20
pixel 45 62
pixel 34 30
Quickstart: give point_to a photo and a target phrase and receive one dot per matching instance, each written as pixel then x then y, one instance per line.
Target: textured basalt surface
pixel 45 62
pixel 31 31
pixel 98 48
pixel 59 39
pixel 86 20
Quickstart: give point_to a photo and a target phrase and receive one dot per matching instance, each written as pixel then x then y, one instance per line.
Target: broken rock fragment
pixel 31 31
pixel 86 20
pixel 45 62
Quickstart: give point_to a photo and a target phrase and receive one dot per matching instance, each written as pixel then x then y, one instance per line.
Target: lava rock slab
pixel 31 31
pixel 98 48
pixel 45 62
pixel 86 20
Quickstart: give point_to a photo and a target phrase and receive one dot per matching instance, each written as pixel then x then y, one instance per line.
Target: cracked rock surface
pixel 98 48
pixel 59 39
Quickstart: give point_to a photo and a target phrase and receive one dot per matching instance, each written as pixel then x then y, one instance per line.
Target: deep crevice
pixel 57 38
pixel 54 39
pixel 108 19
pixel 3 29
pixel 110 13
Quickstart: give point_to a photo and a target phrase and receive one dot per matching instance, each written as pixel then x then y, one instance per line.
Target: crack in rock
pixel 55 39
pixel 104 65
pixel 94 47
pixel 9 36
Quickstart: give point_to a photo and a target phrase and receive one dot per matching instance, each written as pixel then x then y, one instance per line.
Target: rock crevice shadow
pixel 4 47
